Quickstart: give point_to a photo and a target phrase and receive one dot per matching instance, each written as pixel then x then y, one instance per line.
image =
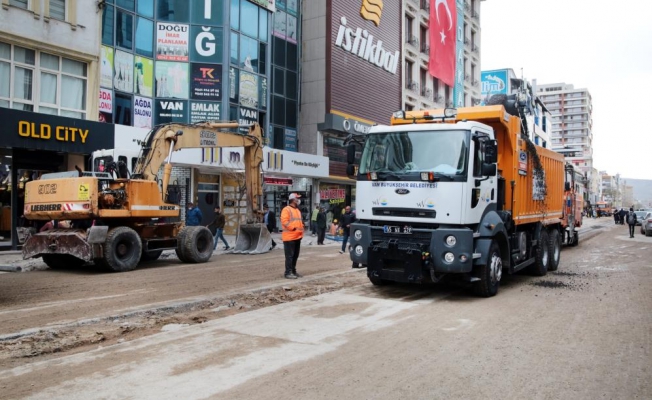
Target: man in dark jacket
pixel 270 221
pixel 623 216
pixel 321 225
pixel 217 228
pixel 345 223
pixel 631 221
pixel 193 216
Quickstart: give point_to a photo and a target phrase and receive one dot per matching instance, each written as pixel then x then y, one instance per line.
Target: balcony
pixel 475 83
pixel 467 6
pixel 412 41
pixel 425 5
pixel 467 78
pixel 426 92
pixel 475 15
pixel 412 86
pixel 425 49
pixel 475 48
pixel 437 98
pixel 449 104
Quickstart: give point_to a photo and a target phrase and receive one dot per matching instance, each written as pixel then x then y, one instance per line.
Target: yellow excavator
pixel 113 213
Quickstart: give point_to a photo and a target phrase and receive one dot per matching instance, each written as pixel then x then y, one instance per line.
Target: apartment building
pixel 420 89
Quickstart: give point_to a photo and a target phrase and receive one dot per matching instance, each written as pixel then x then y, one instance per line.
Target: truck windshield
pixel 408 153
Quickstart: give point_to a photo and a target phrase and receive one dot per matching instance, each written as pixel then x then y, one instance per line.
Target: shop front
pixel 291 172
pixel 34 144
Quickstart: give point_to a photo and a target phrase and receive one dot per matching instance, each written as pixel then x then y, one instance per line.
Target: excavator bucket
pixel 253 239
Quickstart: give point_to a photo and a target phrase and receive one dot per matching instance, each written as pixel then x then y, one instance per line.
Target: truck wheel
pixel 197 245
pixel 490 273
pixel 152 255
pixel 554 250
pixel 542 255
pixel 122 250
pixel 62 261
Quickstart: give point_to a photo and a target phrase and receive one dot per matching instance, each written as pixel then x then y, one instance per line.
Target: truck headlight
pixel 357 234
pixel 359 250
pixel 451 241
pixel 449 257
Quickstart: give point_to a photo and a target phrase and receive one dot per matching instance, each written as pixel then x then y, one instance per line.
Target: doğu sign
pixel 361 43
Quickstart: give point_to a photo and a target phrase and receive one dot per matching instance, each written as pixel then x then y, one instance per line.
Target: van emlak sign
pixel 361 43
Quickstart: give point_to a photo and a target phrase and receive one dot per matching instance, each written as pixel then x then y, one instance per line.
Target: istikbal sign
pixel 361 43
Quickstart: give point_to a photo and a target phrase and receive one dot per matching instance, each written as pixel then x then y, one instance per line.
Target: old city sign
pixel 49 132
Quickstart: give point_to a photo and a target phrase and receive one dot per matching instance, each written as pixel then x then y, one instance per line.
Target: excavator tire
pixel 196 245
pixel 181 238
pixel 151 255
pixel 62 261
pixel 122 250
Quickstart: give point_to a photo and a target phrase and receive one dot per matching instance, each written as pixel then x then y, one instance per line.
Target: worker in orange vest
pixel 292 225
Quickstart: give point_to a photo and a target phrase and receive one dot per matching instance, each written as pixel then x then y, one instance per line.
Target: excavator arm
pixel 166 139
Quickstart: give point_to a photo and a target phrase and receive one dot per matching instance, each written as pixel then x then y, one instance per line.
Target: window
pixel 234 48
pixel 107 25
pixel 263 18
pixel 173 10
pixel 19 3
pixel 408 72
pixel 279 81
pixel 146 8
pixel 235 14
pixel 435 87
pixel 248 53
pixel 408 27
pixel 58 9
pixel 447 94
pixel 423 36
pixel 122 109
pixel 124 27
pixel 126 4
pixel 145 37
pixel 42 82
pixel 292 58
pixel 423 77
pixel 249 19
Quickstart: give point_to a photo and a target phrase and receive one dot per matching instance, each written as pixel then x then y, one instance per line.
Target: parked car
pixel 646 224
pixel 639 216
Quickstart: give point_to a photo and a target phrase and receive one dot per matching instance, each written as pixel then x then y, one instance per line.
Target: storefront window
pixel 5 197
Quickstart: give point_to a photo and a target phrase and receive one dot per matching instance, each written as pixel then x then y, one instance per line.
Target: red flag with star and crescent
pixel 443 38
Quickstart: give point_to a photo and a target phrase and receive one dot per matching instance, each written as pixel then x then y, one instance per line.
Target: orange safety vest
pixel 290 219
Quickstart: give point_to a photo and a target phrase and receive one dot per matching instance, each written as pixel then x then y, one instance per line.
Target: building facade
pixel 49 72
pixel 421 90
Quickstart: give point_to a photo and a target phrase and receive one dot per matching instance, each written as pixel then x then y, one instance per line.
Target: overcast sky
pixel 601 45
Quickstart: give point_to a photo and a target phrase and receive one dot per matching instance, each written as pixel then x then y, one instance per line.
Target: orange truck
pixel 455 192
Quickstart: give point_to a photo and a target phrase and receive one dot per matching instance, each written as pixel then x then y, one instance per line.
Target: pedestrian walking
pixel 623 216
pixel 631 221
pixel 321 226
pixel 193 216
pixel 292 224
pixel 345 223
pixel 313 220
pixel 270 221
pixel 616 217
pixel 217 228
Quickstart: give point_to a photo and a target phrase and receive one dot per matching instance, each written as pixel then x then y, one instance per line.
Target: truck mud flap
pixel 59 241
pixel 390 262
pixel 253 239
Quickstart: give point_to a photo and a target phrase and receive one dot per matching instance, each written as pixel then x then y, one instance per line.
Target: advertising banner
pixel 233 84
pixel 207 44
pixel 123 79
pixel 172 80
pixel 280 24
pixel 248 90
pixel 292 29
pixel 263 92
pixel 167 111
pixel 206 82
pixel 291 139
pixel 106 101
pixel 247 116
pixel 144 72
pixel 206 12
pixel 106 67
pixel 268 4
pixel 171 42
pixel 204 111
pixel 142 112
pixel 458 89
pixel 280 5
pixel 493 82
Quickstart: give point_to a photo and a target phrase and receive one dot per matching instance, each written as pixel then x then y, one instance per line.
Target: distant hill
pixel 642 190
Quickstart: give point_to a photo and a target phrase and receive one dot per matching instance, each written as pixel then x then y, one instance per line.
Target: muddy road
pixel 582 332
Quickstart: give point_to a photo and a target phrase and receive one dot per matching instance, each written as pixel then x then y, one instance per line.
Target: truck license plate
pixel 406 230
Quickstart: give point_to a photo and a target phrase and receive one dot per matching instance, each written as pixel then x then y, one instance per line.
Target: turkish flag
pixel 443 38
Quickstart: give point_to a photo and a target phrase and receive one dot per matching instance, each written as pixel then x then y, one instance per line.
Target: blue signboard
pixel 291 140
pixel 494 82
pixel 458 89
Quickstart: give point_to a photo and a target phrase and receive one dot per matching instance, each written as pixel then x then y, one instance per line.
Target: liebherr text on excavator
pixel 113 211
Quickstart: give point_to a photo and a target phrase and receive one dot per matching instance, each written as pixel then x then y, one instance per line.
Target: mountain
pixel 642 190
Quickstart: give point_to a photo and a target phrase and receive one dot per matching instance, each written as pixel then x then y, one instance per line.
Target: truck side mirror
pixel 491 152
pixel 350 154
pixel 489 169
pixel 567 187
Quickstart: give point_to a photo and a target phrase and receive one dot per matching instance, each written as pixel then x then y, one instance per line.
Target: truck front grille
pixel 377 235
